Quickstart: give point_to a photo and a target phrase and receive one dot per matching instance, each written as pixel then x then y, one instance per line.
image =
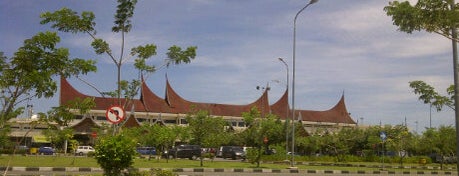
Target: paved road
pixel 214 174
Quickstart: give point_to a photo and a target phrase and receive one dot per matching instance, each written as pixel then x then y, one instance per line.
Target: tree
pixel 58 119
pixel 159 136
pixel 428 95
pixel 261 132
pixel 397 140
pixel 430 15
pixel 439 141
pixel 29 73
pixel 206 131
pixel 66 20
pixel 440 17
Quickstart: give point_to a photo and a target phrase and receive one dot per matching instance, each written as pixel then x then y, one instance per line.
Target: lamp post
pixel 288 108
pixel 293 80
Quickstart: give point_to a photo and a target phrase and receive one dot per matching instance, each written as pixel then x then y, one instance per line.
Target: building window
pixel 170 121
pixel 141 119
pixel 101 118
pixel 183 121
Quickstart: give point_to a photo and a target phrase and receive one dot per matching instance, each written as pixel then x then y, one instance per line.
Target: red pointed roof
pixel 174 103
pixel 151 101
pixel 281 107
pixel 181 105
pixel 68 93
pixel 131 122
pixel 337 114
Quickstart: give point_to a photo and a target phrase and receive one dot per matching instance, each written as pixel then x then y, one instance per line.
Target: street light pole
pixel 288 108
pixel 293 81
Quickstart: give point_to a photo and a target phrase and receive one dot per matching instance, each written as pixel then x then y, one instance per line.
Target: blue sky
pixel 348 46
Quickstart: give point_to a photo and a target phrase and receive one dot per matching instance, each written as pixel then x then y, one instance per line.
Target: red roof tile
pixel 174 103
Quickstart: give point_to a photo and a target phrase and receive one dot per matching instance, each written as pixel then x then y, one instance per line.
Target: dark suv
pixel 233 152
pixel 184 151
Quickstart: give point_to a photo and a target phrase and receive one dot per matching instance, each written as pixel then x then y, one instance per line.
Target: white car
pixel 84 150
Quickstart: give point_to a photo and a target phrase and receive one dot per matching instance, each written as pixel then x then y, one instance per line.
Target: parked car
pixel 184 151
pixel 84 150
pixel 233 152
pixel 46 151
pixel 146 150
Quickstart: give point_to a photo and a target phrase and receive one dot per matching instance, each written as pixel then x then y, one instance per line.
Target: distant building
pixel 172 110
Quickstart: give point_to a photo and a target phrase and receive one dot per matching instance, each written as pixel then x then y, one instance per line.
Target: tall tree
pixel 29 73
pixel 260 133
pixel 67 20
pixel 439 141
pixel 206 131
pixel 435 16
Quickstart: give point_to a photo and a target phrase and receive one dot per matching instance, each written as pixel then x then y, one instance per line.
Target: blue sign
pixel 383 136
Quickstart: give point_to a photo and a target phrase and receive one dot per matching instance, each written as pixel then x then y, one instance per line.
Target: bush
pixel 115 153
pixel 90 154
pixel 252 154
pixel 160 172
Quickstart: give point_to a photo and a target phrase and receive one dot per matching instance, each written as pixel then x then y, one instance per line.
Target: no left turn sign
pixel 115 114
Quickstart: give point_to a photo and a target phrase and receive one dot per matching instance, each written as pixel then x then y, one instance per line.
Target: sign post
pixel 115 114
pixel 383 137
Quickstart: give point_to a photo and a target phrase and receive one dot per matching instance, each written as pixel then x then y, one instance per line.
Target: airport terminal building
pixel 172 110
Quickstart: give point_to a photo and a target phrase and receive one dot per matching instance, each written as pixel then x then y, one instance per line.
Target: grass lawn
pixel 71 161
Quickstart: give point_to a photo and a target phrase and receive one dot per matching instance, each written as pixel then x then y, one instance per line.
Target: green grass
pixel 70 161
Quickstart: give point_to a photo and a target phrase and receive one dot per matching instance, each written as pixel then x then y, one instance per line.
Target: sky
pixel 345 47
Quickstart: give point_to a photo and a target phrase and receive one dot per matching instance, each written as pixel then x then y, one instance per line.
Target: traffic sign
pixel 115 114
pixel 383 136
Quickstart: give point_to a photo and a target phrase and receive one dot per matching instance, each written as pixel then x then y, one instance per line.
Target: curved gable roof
pixel 174 103
pixel 180 105
pixel 69 93
pixel 281 107
pixel 337 114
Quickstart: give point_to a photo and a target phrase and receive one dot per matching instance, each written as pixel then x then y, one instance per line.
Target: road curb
pixel 235 170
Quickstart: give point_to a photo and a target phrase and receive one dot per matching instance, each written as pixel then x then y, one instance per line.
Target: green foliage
pixel 177 56
pixel 29 72
pixel 67 20
pixel 115 153
pixel 259 129
pixel 429 15
pixel 207 131
pixel 428 95
pixel 100 46
pixel 5 141
pixel 125 11
pixel 156 135
pixel 162 172
pixel 253 155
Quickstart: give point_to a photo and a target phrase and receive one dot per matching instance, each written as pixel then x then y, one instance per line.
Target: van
pixel 84 150
pixel 191 152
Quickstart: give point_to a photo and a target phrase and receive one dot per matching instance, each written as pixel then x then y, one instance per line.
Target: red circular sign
pixel 115 114
pixel 94 134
